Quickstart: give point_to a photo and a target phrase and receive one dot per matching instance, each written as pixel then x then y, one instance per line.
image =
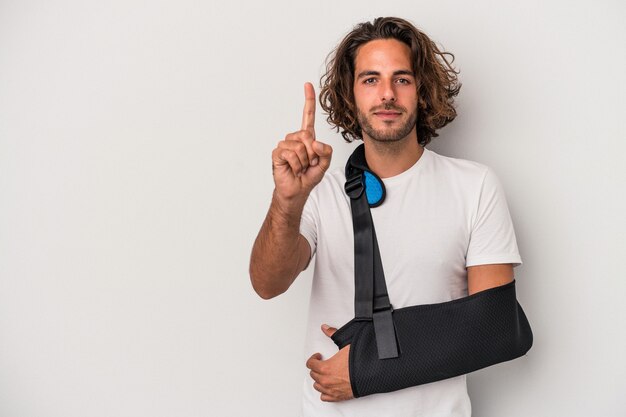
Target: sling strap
pixel 371 300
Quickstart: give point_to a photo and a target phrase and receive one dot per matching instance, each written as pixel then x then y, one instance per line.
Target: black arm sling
pixel 395 349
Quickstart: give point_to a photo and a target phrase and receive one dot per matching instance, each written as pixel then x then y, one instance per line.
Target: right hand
pixel 300 161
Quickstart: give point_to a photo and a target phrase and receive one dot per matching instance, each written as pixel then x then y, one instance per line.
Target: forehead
pixel 383 55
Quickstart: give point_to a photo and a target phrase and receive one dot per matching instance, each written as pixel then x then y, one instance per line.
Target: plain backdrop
pixel 135 142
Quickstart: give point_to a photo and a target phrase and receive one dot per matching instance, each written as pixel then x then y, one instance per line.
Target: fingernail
pixel 325 326
pixel 314 162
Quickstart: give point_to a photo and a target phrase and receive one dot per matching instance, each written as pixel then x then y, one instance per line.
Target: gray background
pixel 135 141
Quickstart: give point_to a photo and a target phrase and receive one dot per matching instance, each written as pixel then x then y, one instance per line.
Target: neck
pixel 388 159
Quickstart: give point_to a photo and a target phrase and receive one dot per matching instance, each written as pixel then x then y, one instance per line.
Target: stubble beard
pixel 387 136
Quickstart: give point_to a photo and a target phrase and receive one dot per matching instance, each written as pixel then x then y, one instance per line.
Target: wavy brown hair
pixel 437 81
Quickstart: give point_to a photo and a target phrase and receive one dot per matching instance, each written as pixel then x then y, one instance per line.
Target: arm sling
pixel 395 349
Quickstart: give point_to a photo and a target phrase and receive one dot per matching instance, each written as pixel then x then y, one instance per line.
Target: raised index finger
pixel 308 115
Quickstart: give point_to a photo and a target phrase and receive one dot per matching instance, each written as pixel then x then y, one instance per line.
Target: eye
pixel 369 81
pixel 403 81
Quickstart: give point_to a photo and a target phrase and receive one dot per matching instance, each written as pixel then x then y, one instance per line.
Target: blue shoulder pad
pixel 374 189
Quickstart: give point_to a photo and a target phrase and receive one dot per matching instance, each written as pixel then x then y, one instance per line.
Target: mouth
pixel 387 114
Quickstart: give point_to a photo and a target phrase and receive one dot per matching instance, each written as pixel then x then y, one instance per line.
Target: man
pixel 444 230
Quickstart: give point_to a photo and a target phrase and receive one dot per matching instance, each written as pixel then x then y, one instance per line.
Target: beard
pixel 390 134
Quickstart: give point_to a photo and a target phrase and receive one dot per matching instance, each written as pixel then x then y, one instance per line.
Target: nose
pixel 387 93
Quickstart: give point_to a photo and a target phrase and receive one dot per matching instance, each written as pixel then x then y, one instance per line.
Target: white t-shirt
pixel 439 217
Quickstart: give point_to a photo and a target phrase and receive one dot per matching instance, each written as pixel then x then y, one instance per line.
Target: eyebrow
pixel 398 72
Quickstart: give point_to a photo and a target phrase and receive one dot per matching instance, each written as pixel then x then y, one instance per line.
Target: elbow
pixel 262 290
pixel 266 295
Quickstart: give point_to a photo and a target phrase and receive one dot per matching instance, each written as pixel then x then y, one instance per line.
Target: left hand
pixel 331 376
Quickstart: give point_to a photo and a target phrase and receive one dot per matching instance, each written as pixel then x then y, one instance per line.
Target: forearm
pixel 277 255
pixel 299 162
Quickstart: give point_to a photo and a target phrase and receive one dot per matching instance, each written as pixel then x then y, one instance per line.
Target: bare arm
pixel 483 277
pixel 280 252
pixel 299 162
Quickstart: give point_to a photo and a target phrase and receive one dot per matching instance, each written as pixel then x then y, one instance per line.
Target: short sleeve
pixel 492 237
pixel 308 222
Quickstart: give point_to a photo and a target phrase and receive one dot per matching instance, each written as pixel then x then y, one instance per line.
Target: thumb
pixel 328 331
pixel 325 153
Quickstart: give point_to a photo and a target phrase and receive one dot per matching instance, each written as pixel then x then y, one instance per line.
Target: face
pixel 385 91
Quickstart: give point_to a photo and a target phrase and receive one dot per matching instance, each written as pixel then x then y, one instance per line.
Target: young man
pixel 444 230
